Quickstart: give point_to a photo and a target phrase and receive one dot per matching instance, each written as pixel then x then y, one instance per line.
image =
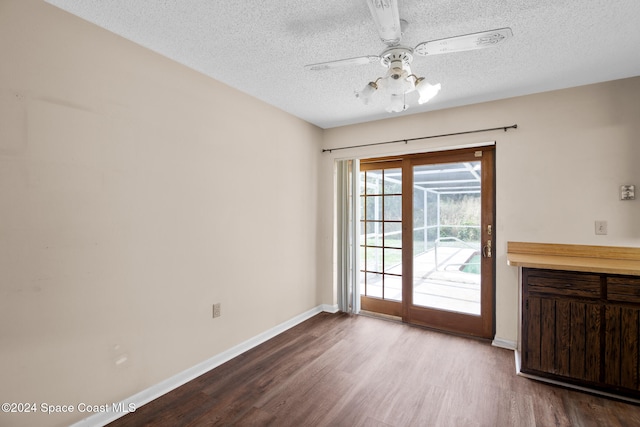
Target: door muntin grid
pixel 381 234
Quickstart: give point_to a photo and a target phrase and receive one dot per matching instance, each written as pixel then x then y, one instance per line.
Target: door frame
pixel 374 304
pixel 482 326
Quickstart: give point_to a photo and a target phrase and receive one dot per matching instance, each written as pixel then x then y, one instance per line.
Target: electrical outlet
pixel 601 227
pixel 216 310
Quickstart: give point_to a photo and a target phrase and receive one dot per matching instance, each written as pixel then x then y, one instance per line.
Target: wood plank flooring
pixel 341 370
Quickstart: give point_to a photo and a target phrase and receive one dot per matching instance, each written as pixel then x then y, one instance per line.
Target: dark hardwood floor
pixel 341 370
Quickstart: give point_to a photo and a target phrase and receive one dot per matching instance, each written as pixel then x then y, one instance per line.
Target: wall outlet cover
pixel 601 227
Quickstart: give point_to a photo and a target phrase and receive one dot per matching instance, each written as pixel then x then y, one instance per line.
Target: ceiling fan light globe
pixel 366 94
pixel 396 104
pixel 426 90
pixel 410 84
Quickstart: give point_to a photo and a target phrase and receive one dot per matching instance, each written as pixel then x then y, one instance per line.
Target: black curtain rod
pixel 505 128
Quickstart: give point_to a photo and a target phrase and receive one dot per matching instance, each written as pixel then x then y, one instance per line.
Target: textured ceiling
pixel 261 47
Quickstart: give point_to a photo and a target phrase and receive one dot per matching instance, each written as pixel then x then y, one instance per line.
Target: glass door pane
pixel 446 236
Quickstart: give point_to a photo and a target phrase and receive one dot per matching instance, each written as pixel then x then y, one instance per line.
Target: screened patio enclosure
pixel 445 235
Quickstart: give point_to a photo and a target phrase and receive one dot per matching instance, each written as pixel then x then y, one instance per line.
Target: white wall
pixel 134 194
pixel 555 175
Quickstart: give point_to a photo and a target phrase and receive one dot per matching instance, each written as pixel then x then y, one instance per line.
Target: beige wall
pixel 556 174
pixel 134 194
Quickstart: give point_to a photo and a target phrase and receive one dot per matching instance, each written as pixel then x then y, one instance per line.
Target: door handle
pixel 486 249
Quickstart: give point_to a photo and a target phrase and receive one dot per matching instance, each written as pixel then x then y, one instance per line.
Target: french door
pixel 427 238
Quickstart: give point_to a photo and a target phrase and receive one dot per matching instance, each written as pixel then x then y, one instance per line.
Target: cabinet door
pixel 621 346
pixel 562 337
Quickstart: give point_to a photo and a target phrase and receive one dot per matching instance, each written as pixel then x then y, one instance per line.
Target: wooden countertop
pixel 595 259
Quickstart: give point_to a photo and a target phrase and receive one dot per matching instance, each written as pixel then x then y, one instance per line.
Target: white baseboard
pixel 517 356
pixel 155 391
pixel 502 343
pixel 330 308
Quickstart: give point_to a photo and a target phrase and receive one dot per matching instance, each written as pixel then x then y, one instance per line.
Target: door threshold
pixel 380 315
pixel 398 319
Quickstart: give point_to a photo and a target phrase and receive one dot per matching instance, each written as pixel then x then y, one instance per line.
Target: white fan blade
pixel 361 60
pixel 387 19
pixel 462 43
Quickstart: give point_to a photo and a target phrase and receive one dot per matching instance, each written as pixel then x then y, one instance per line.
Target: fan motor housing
pixel 397 58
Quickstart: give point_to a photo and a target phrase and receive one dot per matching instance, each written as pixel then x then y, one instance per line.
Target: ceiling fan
pixel 399 79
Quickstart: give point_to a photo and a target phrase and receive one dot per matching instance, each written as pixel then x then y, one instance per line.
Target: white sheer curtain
pixel 347 196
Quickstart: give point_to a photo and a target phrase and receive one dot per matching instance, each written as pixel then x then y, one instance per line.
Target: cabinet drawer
pixel 623 289
pixel 550 282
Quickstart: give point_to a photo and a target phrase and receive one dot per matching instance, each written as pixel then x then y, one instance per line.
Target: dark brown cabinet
pixel 582 328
